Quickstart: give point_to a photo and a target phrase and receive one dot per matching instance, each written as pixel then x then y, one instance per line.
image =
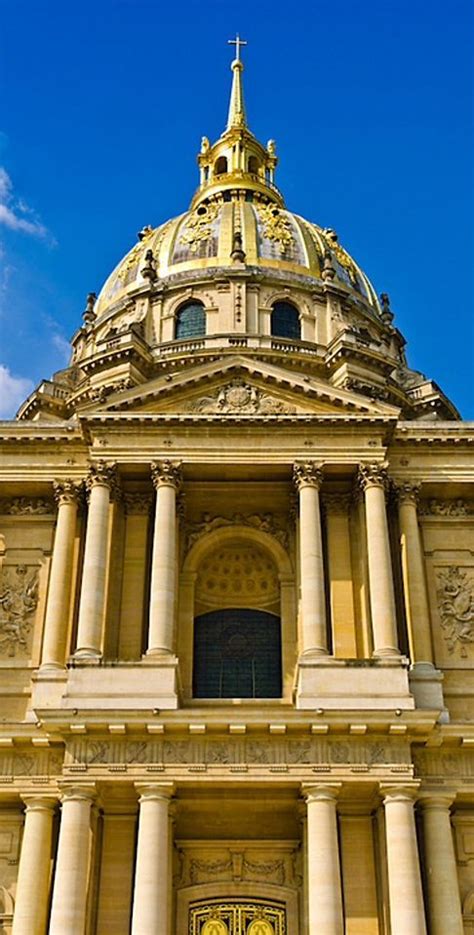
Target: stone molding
pixel 166 473
pixel 307 474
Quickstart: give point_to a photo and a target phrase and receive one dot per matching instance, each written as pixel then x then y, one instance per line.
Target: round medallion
pixel 260 927
pixel 215 927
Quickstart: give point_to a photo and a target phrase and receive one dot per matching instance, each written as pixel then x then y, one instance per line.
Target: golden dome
pixel 237 215
pixel 204 238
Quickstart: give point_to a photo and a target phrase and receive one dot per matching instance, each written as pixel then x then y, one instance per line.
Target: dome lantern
pixel 237 165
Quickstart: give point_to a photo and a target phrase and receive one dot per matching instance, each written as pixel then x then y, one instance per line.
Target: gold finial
pixel 236 116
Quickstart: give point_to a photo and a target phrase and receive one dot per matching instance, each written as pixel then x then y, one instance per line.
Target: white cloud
pixel 62 346
pixel 16 214
pixel 13 391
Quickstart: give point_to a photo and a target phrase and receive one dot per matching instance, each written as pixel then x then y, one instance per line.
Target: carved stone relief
pixel 18 602
pixel 456 608
pixel 444 764
pixel 26 506
pixel 31 763
pixel 264 522
pixel 241 397
pixel 236 754
pixel 239 863
pixel 457 507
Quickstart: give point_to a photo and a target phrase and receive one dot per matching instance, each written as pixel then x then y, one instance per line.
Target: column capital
pixel 39 803
pixel 137 503
pixel 406 492
pixel 155 791
pixel 321 792
pixel 70 792
pixel 307 474
pixel 373 474
pixel 102 474
pixel 337 503
pixel 436 799
pixel 166 474
pixel 67 491
pixel 406 792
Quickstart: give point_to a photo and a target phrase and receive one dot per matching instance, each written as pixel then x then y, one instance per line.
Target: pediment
pixel 241 387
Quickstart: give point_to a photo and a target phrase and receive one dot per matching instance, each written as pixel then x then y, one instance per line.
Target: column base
pixel 426 686
pixel 92 656
pixel 353 684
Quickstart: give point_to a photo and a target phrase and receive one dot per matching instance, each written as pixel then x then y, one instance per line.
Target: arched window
pixel 220 167
pixel 253 165
pixel 285 320
pixel 237 626
pixel 190 320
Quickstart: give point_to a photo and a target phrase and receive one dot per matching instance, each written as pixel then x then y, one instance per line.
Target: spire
pixel 237 116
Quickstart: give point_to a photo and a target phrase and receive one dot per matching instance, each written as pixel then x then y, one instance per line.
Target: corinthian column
pixel 34 872
pixel 167 479
pixel 67 495
pixel 68 912
pixel 444 902
pixel 407 914
pixel 151 900
pixel 325 915
pixel 101 480
pixel 308 478
pixel 373 480
pixel 416 598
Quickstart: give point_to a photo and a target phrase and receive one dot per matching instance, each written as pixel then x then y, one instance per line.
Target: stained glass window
pixel 237 654
pixel 190 320
pixel 285 321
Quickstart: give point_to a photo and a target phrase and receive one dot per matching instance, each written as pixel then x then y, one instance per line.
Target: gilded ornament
pixel 276 226
pixel 456 608
pixel 135 254
pixel 340 253
pixel 198 226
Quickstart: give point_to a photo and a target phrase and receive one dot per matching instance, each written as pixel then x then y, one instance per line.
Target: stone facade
pixel 311 480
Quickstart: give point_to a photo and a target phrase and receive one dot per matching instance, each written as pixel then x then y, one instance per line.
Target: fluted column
pixel 444 902
pixel 68 912
pixel 407 914
pixel 415 593
pixel 151 901
pixel 167 480
pixel 67 495
pixel 34 872
pixel 325 915
pixel 101 480
pixel 373 480
pixel 308 478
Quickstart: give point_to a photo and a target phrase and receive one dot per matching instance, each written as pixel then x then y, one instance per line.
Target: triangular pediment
pixel 240 387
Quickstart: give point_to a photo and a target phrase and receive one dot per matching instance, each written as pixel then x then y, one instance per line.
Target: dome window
pixel 285 321
pixel 220 167
pixel 253 165
pixel 190 320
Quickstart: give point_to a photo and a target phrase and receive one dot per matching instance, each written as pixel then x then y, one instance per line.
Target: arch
pixel 281 604
pixel 220 166
pixel 189 897
pixel 253 165
pixel 285 320
pixel 190 320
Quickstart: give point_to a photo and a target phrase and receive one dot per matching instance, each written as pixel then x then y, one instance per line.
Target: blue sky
pixel 104 106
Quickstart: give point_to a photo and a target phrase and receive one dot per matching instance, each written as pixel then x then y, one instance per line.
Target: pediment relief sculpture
pixel 241 397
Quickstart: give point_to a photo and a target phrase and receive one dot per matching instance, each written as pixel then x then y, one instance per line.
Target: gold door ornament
pixel 237 917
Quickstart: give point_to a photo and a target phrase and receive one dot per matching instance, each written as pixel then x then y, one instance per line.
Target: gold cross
pixel 237 42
